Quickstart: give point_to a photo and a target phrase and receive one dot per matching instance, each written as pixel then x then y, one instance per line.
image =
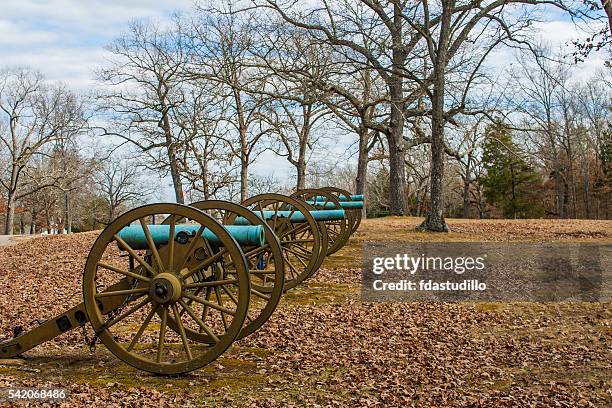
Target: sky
pixel 65 39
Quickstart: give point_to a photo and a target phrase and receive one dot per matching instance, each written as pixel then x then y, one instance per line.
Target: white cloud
pixel 64 39
pixel 12 35
pixel 90 14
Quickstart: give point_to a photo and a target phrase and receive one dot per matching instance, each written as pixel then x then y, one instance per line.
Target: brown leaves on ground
pixel 323 347
pixel 536 230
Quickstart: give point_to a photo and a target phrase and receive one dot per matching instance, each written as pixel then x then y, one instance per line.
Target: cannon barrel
pixel 354 197
pixel 135 237
pixel 296 216
pixel 343 204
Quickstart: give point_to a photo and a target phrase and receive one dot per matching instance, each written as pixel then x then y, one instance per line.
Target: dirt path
pixel 5 240
pixel 8 240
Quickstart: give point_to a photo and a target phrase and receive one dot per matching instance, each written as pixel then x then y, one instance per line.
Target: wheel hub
pixel 165 288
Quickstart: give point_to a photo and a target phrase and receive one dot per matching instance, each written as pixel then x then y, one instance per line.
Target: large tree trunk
pixel 607 5
pixel 33 221
pixel 559 194
pixel 466 197
pixel 435 217
pixel 68 212
pixel 300 165
pixel 176 175
pixel 244 179
pixel 397 177
pixel 362 165
pixel 174 168
pixel 301 175
pixel 397 174
pixel 10 213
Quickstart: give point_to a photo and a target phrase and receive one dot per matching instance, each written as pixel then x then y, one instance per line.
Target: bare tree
pixel 204 159
pixel 119 182
pixel 296 109
pixel 220 46
pixel 405 32
pixel 33 115
pixel 142 77
pixel 355 113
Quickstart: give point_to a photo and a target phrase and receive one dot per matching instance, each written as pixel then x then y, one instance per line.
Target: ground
pixel 324 347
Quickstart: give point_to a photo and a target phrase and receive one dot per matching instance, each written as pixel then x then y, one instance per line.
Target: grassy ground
pixel 324 347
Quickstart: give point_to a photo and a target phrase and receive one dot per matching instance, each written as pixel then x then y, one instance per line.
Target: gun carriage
pixel 171 297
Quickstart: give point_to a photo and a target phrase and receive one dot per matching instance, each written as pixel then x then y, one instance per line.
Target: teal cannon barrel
pixel 135 237
pixel 296 216
pixel 343 204
pixel 354 197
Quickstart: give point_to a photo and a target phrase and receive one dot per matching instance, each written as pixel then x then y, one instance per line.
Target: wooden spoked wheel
pixel 152 279
pixel 355 214
pixel 303 242
pixel 265 264
pixel 338 231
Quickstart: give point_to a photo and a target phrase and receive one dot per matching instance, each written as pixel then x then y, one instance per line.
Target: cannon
pixel 171 297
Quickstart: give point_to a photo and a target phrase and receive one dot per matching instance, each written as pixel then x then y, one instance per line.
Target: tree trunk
pixel 67 213
pixel 205 183
pixel 587 196
pixel 300 165
pixel 244 179
pixel 435 217
pixel 111 212
pixel 362 161
pixel 607 5
pixel 362 165
pixel 176 175
pixel 10 213
pixel 466 197
pixel 171 150
pixel 559 193
pixel 513 191
pixel 301 175
pixel 397 174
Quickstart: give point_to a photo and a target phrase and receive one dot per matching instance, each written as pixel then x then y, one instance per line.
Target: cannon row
pixel 167 288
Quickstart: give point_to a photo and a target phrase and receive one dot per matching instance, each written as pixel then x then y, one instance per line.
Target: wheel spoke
pixel 151 244
pixel 206 263
pixel 303 249
pixel 255 251
pixel 212 305
pixel 122 272
pixel 199 321
pixel 142 327
pixel 220 302
pixel 171 244
pixel 298 256
pixel 127 313
pixel 122 292
pixel 275 206
pixel 298 241
pixel 181 329
pixel 260 295
pixel 162 333
pixel 292 268
pixel 129 249
pixel 295 230
pixel 205 308
pixel 191 247
pixel 211 283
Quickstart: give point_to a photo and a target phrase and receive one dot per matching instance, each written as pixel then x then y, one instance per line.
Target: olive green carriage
pixel 171 297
